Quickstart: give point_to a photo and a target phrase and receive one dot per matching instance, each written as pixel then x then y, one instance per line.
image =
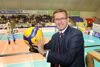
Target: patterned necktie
pixel 58 48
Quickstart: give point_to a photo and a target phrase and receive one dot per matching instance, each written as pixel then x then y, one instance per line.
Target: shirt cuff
pixel 47 52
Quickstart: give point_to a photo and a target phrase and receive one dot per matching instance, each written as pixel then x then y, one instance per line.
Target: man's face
pixel 60 20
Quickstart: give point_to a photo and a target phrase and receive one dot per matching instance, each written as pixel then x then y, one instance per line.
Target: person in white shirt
pixel 10 31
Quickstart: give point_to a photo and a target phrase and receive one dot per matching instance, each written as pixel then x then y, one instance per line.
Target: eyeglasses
pixel 58 19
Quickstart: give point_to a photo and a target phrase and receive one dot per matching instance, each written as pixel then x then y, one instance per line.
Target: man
pixel 67 49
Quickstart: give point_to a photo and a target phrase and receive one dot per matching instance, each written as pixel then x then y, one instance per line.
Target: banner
pixel 10 11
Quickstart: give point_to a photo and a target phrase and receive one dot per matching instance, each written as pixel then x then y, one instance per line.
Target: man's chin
pixel 60 29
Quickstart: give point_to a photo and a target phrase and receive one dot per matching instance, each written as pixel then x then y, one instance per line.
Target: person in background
pixel 10 25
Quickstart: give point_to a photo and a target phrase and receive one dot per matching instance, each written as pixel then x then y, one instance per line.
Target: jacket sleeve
pixel 76 43
pixel 50 43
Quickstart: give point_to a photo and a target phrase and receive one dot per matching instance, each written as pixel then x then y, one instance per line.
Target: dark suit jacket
pixel 71 49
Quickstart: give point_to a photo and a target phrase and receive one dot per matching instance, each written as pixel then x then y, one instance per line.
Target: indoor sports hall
pixel 26 15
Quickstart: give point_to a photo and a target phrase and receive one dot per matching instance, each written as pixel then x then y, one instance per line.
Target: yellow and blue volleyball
pixel 32 35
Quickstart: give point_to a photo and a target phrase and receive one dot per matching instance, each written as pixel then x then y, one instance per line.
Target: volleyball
pixel 32 35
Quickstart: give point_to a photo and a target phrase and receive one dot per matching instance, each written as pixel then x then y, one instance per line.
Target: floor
pixel 18 55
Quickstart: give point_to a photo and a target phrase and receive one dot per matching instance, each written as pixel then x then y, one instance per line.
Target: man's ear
pixel 68 19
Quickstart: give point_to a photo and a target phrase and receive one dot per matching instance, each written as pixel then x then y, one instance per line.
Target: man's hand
pixel 41 49
pixel 40 46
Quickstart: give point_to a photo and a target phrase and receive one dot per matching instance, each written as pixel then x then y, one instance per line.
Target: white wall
pixel 83 14
pixel 98 13
pixel 87 14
